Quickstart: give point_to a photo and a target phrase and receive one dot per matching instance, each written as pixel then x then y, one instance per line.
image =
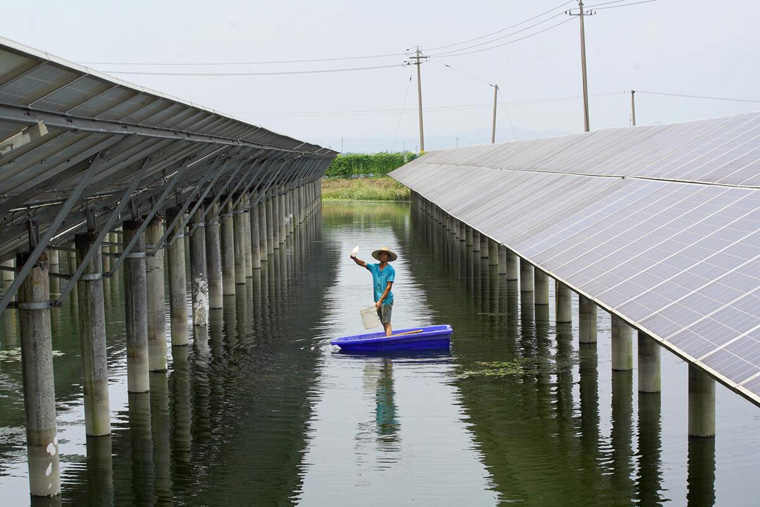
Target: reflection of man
pixel 383 276
pixel 385 411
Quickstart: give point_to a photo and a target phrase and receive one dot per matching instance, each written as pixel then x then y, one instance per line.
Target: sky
pixel 679 47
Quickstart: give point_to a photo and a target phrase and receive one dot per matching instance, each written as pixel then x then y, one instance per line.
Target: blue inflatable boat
pixel 416 338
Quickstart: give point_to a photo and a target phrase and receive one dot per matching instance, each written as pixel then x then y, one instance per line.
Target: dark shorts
pixel 384 312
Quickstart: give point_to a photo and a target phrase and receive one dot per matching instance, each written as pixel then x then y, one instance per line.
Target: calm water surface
pixel 261 410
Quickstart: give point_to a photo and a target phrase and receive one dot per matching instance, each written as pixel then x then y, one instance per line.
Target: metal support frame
pixel 50 232
pixel 206 192
pixel 101 236
pixel 198 202
pixel 69 122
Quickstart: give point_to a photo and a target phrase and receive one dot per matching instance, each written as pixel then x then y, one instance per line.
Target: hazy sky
pixel 690 47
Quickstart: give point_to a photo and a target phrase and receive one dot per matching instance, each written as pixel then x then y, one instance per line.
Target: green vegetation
pixel 377 164
pixel 364 189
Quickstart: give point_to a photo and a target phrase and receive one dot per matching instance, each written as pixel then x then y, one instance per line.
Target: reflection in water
pixel 622 434
pixel 241 413
pixel 100 471
pixel 141 445
pixel 385 412
pixel 181 411
pixel 701 478
pixel 649 483
pixel 160 424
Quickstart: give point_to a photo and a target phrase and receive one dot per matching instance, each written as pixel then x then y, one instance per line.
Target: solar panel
pixel 639 219
pixel 86 113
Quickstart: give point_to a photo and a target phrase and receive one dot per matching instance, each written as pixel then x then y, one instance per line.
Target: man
pixel 383 276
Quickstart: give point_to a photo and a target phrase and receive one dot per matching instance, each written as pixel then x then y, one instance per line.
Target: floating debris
pixel 14 355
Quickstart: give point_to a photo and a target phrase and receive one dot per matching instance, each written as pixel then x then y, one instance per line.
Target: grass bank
pixel 377 164
pixel 364 189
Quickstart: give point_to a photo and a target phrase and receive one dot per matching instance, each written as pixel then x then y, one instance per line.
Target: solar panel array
pixel 660 225
pixel 86 113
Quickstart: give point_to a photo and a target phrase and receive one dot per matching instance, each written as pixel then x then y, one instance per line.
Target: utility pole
pixel 416 59
pixel 581 13
pixel 493 125
pixel 633 108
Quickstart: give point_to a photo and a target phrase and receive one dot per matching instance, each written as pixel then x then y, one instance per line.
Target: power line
pixel 403 107
pixel 452 54
pixel 503 29
pixel 462 72
pixel 699 97
pixel 226 74
pixel 271 62
pixel 500 38
pixel 618 6
pixel 429 108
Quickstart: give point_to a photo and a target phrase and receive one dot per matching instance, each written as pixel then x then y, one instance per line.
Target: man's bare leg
pixel 388 330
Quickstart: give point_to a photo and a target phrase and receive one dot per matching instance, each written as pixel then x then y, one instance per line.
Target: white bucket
pixel 369 317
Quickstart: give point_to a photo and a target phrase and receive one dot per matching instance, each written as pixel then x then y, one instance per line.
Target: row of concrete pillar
pixel 226 246
pixel 534 290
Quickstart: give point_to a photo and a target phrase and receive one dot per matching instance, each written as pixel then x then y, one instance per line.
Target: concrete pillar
pixel 649 364
pixel 564 300
pixel 622 345
pixel 701 404
pixel 198 275
pixel 255 237
pixel 502 260
pixel 54 267
pixel 72 258
pixel 526 276
pixel 275 221
pixel 37 374
pixel 263 231
pixel 484 246
pixel 8 275
pixel 177 286
pixel 214 258
pixel 586 320
pixel 541 287
pixel 463 231
pixel 92 340
pixel 268 215
pixel 105 249
pixel 292 212
pixel 135 293
pixel 247 240
pixel 154 267
pixel 281 218
pixel 239 225
pixel 476 241
pixel 513 266
pixel 493 253
pixel 228 250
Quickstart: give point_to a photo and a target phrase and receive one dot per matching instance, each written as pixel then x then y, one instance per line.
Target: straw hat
pixel 391 253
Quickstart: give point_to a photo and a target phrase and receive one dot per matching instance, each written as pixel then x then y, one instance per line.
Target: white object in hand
pixel 355 251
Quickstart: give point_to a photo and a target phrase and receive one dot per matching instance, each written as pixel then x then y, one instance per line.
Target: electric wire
pixel 403 107
pixel 625 5
pixel 271 62
pixel 436 60
pixel 503 29
pixel 509 118
pixel 279 73
pixel 448 55
pixel 698 96
pixel 461 107
pixel 604 3
pixel 499 38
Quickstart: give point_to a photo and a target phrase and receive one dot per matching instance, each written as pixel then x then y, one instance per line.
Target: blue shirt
pixel 380 279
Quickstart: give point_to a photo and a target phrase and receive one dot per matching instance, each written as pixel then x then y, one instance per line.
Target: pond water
pixel 262 410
